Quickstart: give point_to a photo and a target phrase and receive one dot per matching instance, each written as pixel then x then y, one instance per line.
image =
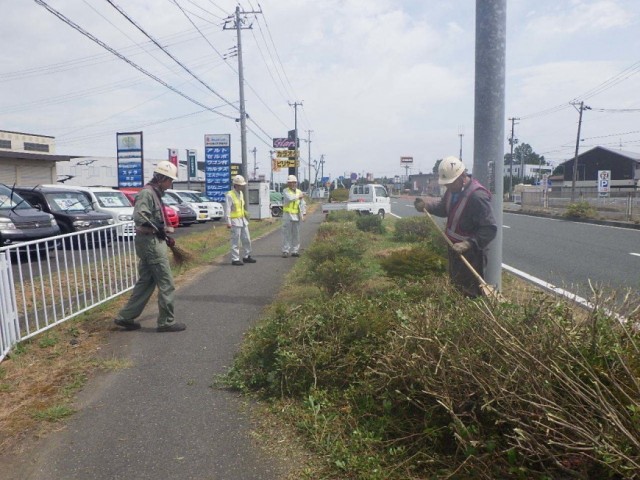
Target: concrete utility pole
pixel 512 142
pixel 238 25
pixel 575 158
pixel 491 27
pixel 271 152
pixel 309 157
pixel 294 170
pixel 255 164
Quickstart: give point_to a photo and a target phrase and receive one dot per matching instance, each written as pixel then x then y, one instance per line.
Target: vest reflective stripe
pixel 454 213
pixel 293 207
pixel 238 204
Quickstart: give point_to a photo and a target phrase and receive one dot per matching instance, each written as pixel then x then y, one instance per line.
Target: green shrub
pixel 412 229
pixel 337 275
pixel 347 246
pixel 342 216
pixel 580 210
pixel 419 261
pixel 370 223
pixel 339 195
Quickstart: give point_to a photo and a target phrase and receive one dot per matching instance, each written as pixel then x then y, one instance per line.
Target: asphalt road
pixel 564 253
pixel 161 418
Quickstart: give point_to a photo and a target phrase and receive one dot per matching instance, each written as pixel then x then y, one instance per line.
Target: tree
pixel 437 164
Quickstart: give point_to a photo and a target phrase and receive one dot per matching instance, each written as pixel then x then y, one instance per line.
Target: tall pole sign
pixel 192 170
pixel 217 166
pixel 130 159
pixel 173 156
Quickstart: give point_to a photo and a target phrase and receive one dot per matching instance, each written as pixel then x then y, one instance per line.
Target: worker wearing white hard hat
pixel 293 212
pixel 238 222
pixel 151 243
pixel 470 223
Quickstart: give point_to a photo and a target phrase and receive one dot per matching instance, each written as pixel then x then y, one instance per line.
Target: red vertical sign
pixel 173 156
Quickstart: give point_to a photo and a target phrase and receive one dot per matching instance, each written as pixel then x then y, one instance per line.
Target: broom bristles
pixel 180 255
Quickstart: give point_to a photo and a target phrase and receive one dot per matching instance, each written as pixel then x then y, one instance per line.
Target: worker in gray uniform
pixel 151 242
pixel 293 212
pixel 470 223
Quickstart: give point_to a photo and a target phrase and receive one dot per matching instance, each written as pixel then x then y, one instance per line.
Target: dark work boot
pixel 127 325
pixel 249 259
pixel 173 327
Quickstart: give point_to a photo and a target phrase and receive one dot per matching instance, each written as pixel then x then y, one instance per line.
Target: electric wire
pixel 155 42
pixel 125 59
pixel 230 66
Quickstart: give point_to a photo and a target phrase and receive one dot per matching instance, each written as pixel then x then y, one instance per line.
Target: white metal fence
pixel 45 282
pixel 622 206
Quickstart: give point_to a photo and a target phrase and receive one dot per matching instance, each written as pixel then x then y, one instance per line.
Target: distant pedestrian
pixel 151 242
pixel 470 222
pixel 293 212
pixel 236 215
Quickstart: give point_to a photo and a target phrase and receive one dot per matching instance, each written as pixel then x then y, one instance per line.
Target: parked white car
pixel 110 201
pixel 202 211
pixel 215 209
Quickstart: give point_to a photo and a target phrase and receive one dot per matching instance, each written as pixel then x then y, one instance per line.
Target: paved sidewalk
pixel 160 418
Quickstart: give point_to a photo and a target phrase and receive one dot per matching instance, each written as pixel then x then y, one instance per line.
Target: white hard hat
pixel 292 178
pixel 239 180
pixel 449 170
pixel 167 169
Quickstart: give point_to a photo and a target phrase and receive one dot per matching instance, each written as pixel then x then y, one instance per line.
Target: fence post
pixel 8 308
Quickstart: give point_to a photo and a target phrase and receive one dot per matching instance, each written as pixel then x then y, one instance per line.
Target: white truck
pixel 369 199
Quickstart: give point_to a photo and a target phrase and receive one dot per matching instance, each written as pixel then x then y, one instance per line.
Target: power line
pixel 155 42
pixel 125 59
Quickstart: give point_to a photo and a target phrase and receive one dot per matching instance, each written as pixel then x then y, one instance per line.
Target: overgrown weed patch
pixel 416 381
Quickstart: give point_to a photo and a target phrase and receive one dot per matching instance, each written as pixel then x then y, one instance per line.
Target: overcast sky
pixel 377 79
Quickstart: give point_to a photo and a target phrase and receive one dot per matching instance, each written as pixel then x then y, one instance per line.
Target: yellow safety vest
pixel 238 204
pixel 293 207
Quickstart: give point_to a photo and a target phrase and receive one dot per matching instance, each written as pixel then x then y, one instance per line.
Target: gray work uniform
pixel 153 265
pixel 474 223
pixel 294 210
pixel 239 225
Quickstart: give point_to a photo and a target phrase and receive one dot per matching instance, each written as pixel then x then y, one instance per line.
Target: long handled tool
pixel 485 288
pixel 180 255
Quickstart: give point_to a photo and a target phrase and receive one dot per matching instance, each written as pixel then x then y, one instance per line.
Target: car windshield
pixel 113 199
pixel 68 202
pixel 169 199
pixel 11 200
pixel 202 197
pixel 187 197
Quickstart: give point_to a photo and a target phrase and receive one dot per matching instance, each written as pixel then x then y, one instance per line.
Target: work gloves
pixel 461 247
pixel 170 241
pixel 419 204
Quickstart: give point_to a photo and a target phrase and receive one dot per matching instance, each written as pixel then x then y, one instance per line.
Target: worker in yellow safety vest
pixel 236 215
pixel 293 212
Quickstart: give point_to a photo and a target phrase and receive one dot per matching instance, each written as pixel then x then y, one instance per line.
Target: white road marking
pixel 636 254
pixel 506 226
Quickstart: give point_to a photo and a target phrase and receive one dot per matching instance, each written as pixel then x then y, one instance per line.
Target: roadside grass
pixel 42 375
pixel 404 378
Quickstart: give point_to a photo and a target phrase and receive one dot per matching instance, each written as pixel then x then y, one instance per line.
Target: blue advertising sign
pixel 130 159
pixel 217 166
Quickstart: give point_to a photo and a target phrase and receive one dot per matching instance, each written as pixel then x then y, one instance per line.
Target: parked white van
pixel 110 201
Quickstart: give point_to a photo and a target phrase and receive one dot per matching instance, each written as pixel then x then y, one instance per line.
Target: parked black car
pixel 20 222
pixel 71 209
